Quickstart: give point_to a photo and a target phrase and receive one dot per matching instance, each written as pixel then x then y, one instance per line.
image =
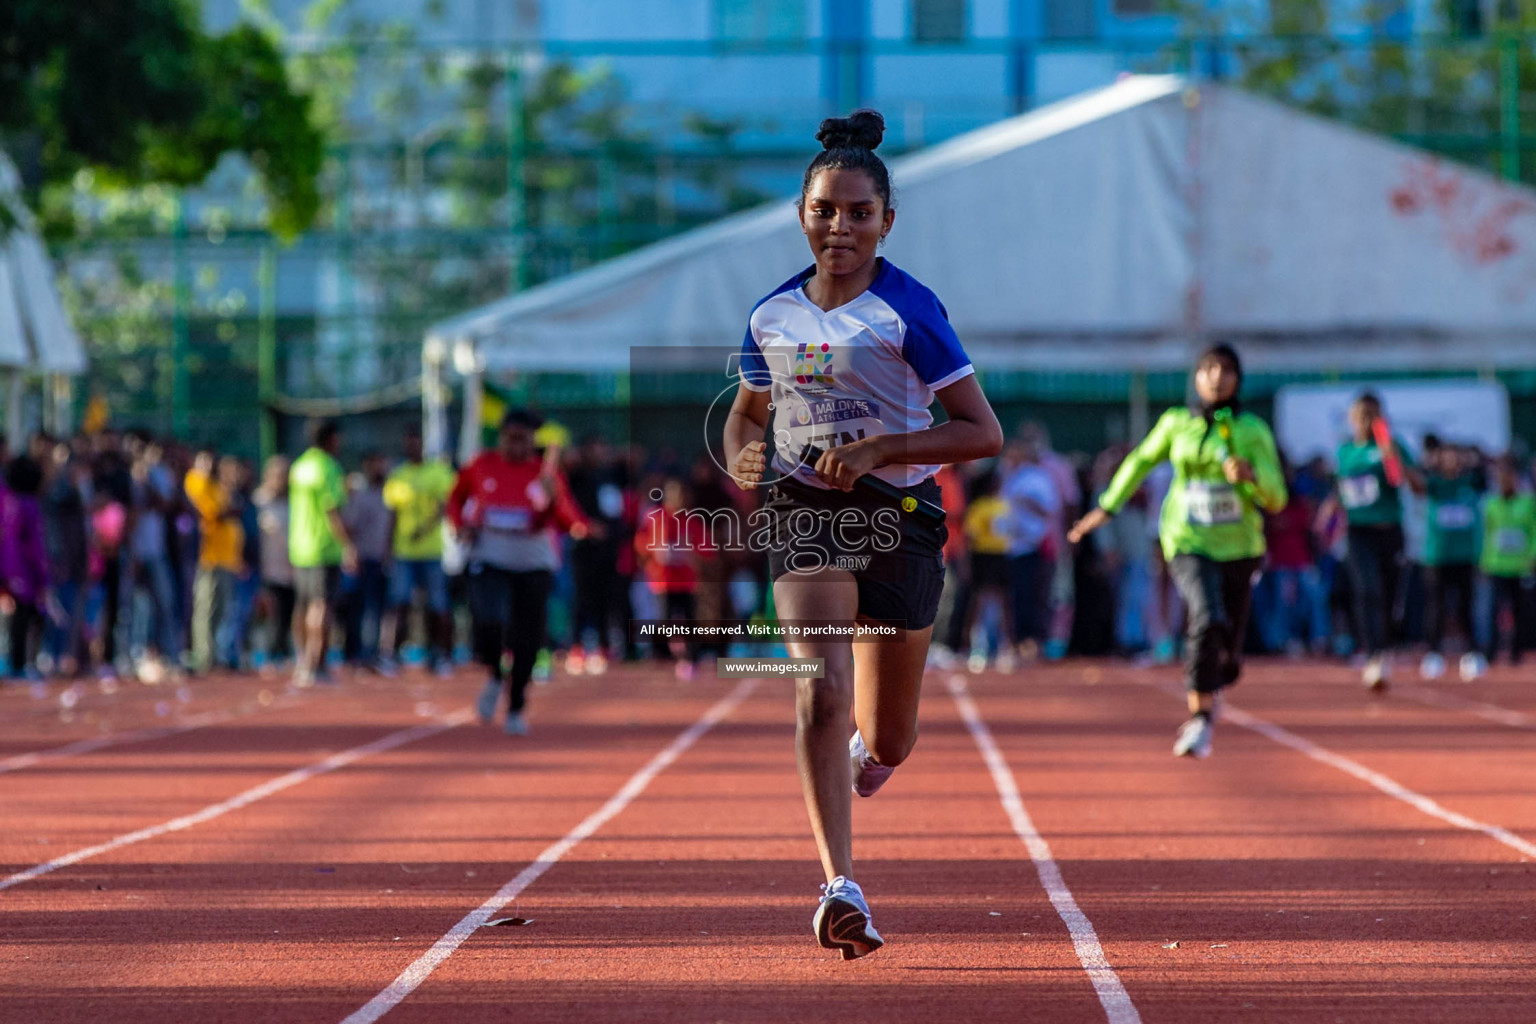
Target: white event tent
pixel 36 338
pixel 1117 230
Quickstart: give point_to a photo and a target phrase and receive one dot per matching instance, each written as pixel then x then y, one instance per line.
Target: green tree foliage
pixel 1444 87
pixel 139 93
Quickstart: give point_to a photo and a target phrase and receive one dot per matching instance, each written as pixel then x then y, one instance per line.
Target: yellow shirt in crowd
pixel 416 493
pixel 223 537
pixel 984 525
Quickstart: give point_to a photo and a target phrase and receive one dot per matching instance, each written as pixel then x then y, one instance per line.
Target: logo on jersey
pixel 833 410
pixel 813 364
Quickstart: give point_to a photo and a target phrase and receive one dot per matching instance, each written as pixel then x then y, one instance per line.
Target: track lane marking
pixel 248 797
pixel 1451 702
pixel 1118 1008
pixel 412 977
pixel 1384 783
pixel 17 762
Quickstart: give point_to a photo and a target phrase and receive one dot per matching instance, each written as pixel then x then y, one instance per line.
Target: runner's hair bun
pixel 863 129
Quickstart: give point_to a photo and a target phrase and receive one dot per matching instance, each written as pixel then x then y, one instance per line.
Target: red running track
pixel 1293 890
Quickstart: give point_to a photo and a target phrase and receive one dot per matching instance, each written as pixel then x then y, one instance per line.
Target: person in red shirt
pixel 503 506
pixel 673 544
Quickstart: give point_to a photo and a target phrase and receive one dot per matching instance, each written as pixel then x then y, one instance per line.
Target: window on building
pixel 938 21
pixel 757 21
pixel 1071 19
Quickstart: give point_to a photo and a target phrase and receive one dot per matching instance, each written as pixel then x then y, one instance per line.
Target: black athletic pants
pixel 509 610
pixel 1374 564
pixel 1509 592
pixel 1217 596
pixel 1447 592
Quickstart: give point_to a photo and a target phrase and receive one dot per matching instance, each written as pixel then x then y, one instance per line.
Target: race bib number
pixel 1510 541
pixel 1212 504
pixel 1359 491
pixel 1455 517
pixel 509 520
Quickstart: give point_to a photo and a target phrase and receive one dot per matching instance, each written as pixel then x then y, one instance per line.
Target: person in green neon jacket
pixel 1509 558
pixel 1226 474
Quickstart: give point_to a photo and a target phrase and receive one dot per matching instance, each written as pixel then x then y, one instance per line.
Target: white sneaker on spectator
pixel 977 662
pixel 1473 666
pixel 1432 666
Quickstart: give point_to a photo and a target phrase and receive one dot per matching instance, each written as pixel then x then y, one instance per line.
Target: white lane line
pixel 412 977
pixel 1118 1008
pixel 250 796
pixel 1387 785
pixel 1492 712
pixel 116 739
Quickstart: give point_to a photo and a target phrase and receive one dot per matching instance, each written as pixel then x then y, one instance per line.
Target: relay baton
pixel 1389 464
pixel 1224 431
pixel 920 509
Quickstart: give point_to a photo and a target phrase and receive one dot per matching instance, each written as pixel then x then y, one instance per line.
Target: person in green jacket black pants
pixel 1509 558
pixel 1226 474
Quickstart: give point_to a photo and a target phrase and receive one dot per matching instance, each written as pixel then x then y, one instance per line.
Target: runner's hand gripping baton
pixel 1224 430
pixel 920 509
pixel 1390 465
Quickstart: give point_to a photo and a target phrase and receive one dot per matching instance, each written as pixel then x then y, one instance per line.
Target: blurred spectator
pixel 274 568
pixel 417 493
pixel 1290 602
pixel 365 589
pixel 23 561
pixel 1509 560
pixel 1451 538
pixel 319 546
pixel 209 486
pixel 1034 504
pixel 988 522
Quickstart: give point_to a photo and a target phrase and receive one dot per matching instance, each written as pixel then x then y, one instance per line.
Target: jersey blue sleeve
pixel 754 368
pixel 931 346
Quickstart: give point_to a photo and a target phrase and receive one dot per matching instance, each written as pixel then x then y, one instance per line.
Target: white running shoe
pixel 1472 667
pixel 1195 738
pixel 868 774
pixel 842 922
pixel 516 724
pixel 1378 672
pixel 486 705
pixel 1433 666
pixel 977 662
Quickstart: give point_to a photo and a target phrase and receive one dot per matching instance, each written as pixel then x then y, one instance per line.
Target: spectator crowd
pixel 128 555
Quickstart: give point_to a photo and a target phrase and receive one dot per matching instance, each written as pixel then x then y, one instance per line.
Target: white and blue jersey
pixel 866 368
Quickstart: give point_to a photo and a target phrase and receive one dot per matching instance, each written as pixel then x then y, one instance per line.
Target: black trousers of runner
pixel 509 611
pixel 1508 592
pixel 1374 564
pixel 1217 596
pixel 1447 593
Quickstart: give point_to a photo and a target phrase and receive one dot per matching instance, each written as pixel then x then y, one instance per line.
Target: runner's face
pixel 516 443
pixel 1215 381
pixel 1361 416
pixel 844 219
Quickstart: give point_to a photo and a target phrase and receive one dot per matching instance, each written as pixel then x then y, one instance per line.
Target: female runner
pixel 848 355
pixel 1226 473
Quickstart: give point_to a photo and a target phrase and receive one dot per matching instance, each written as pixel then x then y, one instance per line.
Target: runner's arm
pixel 745 428
pixel 1141 461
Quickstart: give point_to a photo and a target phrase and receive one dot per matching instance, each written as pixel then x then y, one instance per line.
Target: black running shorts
pixel 897 562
